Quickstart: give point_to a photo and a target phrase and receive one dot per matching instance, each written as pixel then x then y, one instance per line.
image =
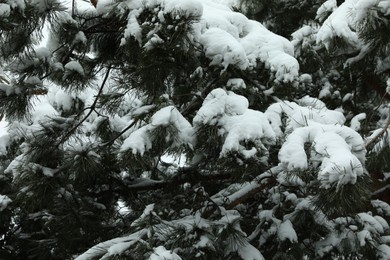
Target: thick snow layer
pixel 161 253
pixel 362 8
pixel 42 110
pixel 338 165
pixel 140 140
pixel 103 247
pixel 237 123
pixel 228 38
pixel 17 4
pixel 252 125
pixel 249 252
pixel 326 7
pixel 74 66
pixel 381 206
pixel 222 48
pixel 286 231
pixel 383 252
pixel 218 103
pixel 5 10
pixel 355 121
pixel 133 27
pixel 119 248
pixel 237 83
pixel 373 224
pixel 184 8
pixel 310 109
pixel 339 150
pixel 384 6
pixel 340 24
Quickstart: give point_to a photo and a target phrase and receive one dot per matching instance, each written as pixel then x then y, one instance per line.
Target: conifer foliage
pixel 181 129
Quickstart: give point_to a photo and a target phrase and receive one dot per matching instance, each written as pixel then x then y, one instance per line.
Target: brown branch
pixel 271 180
pixel 255 186
pixel 252 188
pixel 184 175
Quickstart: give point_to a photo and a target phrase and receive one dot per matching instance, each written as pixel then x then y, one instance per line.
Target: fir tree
pixel 181 129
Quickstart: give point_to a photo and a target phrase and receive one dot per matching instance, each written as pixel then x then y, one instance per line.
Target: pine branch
pixel 184 175
pixel 370 144
pixel 91 109
pixel 255 186
pixel 121 133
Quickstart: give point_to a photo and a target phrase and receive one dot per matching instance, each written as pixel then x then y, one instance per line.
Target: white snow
pixel 311 109
pixel 338 163
pixel 154 41
pixel 4 201
pixel 103 247
pixel 42 110
pixel 236 84
pixel 355 121
pixel 61 100
pixel 161 253
pixel 327 7
pixel 249 252
pixel 338 149
pixel 228 38
pixel 184 8
pixel 371 223
pixel 286 231
pixel 383 252
pixel 251 126
pixel 133 28
pixel 79 38
pixel 222 48
pixel 381 206
pixel 362 8
pixel 237 123
pixel 140 140
pixel 384 6
pixel 74 66
pixel 5 10
pixel 119 248
pixel 4 137
pixel 340 24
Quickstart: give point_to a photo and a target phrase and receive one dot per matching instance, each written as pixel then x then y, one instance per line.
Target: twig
pixel 91 109
pixel 73 8
pixel 121 133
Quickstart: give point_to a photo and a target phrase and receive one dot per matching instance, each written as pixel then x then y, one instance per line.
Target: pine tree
pixel 181 129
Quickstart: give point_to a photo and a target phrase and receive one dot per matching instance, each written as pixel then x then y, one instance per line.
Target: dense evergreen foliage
pixel 178 129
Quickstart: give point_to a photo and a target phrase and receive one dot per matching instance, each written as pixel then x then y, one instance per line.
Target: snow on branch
pixel 346 22
pixel 338 149
pixel 141 139
pixel 228 38
pixel 298 115
pixel 230 199
pixel 112 247
pixel 237 123
pixel 340 24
